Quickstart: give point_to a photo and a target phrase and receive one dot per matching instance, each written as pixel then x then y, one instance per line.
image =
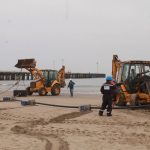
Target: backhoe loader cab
pixel 49 76
pixel 132 72
pixel 133 79
pixel 45 81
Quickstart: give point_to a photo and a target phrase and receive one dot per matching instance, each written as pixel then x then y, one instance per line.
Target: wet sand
pixel 42 127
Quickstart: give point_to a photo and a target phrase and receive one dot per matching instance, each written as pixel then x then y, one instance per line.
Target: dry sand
pixel 52 128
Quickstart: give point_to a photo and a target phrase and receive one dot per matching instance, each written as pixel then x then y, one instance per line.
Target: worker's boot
pixel 109 114
pixel 100 113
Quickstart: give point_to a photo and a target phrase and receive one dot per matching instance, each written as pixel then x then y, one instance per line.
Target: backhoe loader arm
pixel 30 65
pixel 116 64
pixel 61 76
pixel 36 73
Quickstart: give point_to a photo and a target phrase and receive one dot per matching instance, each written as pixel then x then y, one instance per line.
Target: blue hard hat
pixel 109 78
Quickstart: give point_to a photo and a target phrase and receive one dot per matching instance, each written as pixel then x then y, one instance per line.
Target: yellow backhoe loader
pixel 45 80
pixel 133 80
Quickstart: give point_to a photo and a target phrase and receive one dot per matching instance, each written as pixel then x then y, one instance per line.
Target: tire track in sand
pixel 53 142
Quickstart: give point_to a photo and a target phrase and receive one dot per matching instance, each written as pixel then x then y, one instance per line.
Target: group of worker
pixel 108 89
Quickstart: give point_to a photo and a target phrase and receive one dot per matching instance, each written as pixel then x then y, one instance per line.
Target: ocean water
pixel 82 86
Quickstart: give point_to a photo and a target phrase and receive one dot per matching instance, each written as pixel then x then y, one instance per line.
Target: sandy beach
pixel 42 127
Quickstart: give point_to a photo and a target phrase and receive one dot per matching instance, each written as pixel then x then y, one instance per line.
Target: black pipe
pixel 96 107
pixel 65 106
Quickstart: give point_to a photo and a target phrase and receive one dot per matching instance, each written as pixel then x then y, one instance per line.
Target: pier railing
pixel 10 75
pixel 84 75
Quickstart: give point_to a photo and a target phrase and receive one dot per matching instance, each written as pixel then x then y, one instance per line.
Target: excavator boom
pixel 61 76
pixel 116 63
pixel 30 65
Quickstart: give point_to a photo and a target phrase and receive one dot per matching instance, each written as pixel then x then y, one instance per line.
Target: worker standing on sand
pixel 71 87
pixel 108 90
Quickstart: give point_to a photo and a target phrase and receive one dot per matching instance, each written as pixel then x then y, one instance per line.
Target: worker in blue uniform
pixel 108 90
pixel 71 87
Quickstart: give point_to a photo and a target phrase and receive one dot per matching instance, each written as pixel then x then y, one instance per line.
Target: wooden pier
pixel 10 75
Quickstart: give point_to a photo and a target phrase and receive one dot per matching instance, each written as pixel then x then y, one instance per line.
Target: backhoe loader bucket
pixel 26 63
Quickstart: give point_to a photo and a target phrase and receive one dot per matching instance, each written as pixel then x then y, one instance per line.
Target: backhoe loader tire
pixel 42 92
pixel 134 100
pixel 121 101
pixel 28 91
pixel 55 90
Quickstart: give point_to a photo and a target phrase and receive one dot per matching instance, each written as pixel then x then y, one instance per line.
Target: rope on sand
pixel 15 84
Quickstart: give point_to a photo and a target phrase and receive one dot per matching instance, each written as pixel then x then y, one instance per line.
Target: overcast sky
pixel 82 34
